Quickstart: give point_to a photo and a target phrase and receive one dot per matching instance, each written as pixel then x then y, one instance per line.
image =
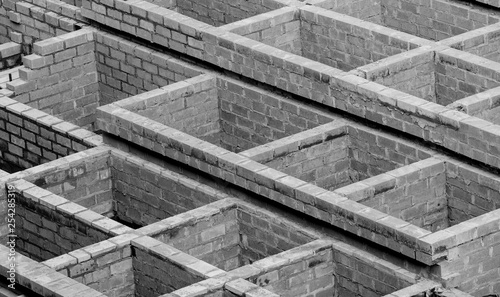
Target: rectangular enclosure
pixel 330 268
pixel 124 188
pixel 47 225
pixel 224 112
pixel 335 155
pixel 327 37
pixel 130 265
pixel 442 76
pixel 434 20
pixel 229 234
pixel 431 194
pixel 484 42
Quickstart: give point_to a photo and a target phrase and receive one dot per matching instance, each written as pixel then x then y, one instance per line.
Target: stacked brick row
pixel 415 193
pixel 61 78
pixel 87 183
pixel 309 275
pixel 220 12
pixel 282 32
pixel 106 266
pixel 459 76
pixel 29 137
pixel 367 10
pixel 325 164
pixel 190 106
pixel 261 236
pixel 485 44
pixel 436 19
pixel 146 194
pixel 414 74
pixel 372 153
pixel 160 269
pixel 126 69
pixel 10 55
pixel 251 117
pixel 471 192
pixel 25 22
pixel 335 40
pixel 48 225
pixel 48 282
pixel 213 238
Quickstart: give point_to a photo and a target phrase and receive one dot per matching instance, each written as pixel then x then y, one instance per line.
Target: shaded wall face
pixel 434 20
pixel 221 12
pixel 88 183
pixel 142 197
pixel 469 195
pixel 192 112
pixel 44 233
pixel 126 69
pixel 343 46
pixel 154 276
pixel 367 10
pixel 234 238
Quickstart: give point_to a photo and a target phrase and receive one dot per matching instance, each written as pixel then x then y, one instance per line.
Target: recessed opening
pixel 434 20
pixel 338 157
pixel 234 236
pixel 325 37
pixel 224 112
pixel 440 77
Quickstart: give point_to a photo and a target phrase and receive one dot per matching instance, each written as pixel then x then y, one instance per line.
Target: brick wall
pixel 160 269
pixel 87 183
pixel 229 234
pixel 126 69
pixel 330 39
pixel 460 76
pixel 472 261
pixel 443 76
pixel 10 55
pixel 29 137
pixel 415 193
pixel 50 282
pixel 247 116
pixel 367 10
pixel 106 267
pixel 145 193
pixel 214 238
pixel 221 12
pixel 435 20
pixel 61 78
pixel 44 232
pixel 25 23
pixel 311 275
pixel 471 192
pixel 331 267
pixel 413 74
pixel 191 106
pixel 335 155
pixel 279 28
pixel 251 117
pixel 484 105
pixel 485 44
pixel 326 36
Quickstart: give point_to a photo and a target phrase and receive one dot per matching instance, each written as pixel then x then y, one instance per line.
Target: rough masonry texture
pixel 250 148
